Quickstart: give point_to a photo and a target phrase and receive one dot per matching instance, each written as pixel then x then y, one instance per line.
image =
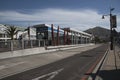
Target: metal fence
pixel 13 45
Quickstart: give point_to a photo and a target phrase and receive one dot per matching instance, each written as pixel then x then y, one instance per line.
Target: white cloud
pixel 81 19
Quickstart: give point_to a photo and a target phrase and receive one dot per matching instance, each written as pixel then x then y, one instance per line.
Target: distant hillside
pixel 102 33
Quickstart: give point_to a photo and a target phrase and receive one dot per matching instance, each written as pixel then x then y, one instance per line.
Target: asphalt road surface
pixel 71 68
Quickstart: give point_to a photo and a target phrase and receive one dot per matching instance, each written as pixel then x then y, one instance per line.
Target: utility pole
pixel 113 25
pixel 111 34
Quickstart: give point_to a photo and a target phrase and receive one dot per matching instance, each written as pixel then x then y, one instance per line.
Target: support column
pixel 52 32
pixel 75 39
pixel 64 38
pixel 67 38
pixel 58 36
pixel 29 33
pixel 72 37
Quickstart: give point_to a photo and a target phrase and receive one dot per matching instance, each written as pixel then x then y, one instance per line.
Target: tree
pixel 97 39
pixel 11 31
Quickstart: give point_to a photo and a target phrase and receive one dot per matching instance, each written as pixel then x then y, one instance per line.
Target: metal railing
pixel 13 45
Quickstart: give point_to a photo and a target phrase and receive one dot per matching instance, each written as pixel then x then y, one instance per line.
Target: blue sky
pixel 80 14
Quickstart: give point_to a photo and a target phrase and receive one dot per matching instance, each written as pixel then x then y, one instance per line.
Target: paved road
pixel 71 68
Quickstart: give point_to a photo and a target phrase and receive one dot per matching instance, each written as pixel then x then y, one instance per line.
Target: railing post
pixel 39 42
pixel 11 45
pixel 31 44
pixel 22 44
pixel 45 46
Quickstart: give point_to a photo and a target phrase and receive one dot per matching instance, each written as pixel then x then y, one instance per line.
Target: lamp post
pixel 112 25
pixel 111 34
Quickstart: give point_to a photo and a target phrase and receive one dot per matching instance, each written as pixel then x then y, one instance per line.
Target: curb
pixel 98 66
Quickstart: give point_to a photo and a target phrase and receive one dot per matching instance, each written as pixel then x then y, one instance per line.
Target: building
pixel 29 34
pixel 57 36
pixel 77 37
pixel 50 34
pixel 3 35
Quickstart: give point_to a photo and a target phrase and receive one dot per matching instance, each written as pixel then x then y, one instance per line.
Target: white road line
pixel 53 74
pixel 10 65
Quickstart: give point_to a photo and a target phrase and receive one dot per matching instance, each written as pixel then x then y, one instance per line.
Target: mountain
pixel 101 33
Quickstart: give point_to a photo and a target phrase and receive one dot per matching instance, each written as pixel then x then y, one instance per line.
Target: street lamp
pixel 112 25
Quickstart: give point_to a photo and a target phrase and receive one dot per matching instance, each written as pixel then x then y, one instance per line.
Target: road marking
pixel 53 74
pixel 10 65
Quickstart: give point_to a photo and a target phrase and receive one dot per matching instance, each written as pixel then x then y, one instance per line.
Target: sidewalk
pixel 111 67
pixel 38 50
pixel 11 66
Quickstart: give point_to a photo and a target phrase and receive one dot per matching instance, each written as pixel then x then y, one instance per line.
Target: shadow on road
pixel 106 75
pixel 109 74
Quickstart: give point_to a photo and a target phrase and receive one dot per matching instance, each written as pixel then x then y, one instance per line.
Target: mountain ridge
pixel 100 32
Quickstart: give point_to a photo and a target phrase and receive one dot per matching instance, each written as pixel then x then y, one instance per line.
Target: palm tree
pixel 11 31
